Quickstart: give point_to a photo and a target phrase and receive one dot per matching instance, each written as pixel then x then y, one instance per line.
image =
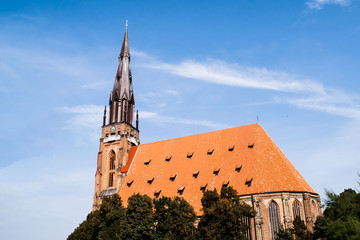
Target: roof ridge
pixel 192 135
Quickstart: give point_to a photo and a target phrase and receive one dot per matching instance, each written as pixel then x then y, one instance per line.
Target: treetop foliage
pixel 341 218
pixel 224 215
pixel 166 218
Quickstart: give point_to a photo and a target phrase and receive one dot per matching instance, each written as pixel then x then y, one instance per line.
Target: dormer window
pixel 168 158
pixel 129 183
pixel 238 168
pixel 231 148
pixel 190 154
pixel 203 187
pixel 157 193
pixel 181 191
pixel 146 162
pixel 210 151
pixel 225 184
pixel 248 182
pixel 195 174
pixel 216 171
pixel 150 180
pixel 172 177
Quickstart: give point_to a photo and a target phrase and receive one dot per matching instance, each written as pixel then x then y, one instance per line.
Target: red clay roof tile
pixel 240 154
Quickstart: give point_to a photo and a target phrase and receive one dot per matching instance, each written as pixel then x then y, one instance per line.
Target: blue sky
pixel 197 66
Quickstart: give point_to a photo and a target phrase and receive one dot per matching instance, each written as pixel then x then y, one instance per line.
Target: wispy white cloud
pixel 167 119
pixel 171 92
pixel 89 117
pixel 321 104
pixel 318 4
pixel 158 99
pixel 305 93
pixel 220 72
pixel 16 62
pixel 85 119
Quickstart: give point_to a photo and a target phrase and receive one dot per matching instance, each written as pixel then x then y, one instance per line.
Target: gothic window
pixel 111 168
pixel 296 208
pixel 314 210
pixel 274 218
pixel 246 222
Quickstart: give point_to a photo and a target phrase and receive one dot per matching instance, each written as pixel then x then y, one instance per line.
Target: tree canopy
pixel 103 223
pixel 341 218
pixel 223 215
pixel 166 218
pixel 175 219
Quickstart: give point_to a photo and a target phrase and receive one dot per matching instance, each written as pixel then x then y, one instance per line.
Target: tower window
pixel 251 145
pixel 190 154
pixel 216 171
pixel 238 168
pixel 146 162
pixel 168 158
pixel 111 179
pixel 111 168
pixel 231 148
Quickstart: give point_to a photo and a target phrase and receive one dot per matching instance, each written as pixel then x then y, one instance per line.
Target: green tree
pixel 341 218
pixel 175 218
pixel 284 234
pixel 223 215
pixel 103 223
pixel 161 207
pixel 112 214
pixel 300 230
pixel 139 223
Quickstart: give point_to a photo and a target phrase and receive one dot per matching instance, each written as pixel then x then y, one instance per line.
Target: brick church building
pixel 244 157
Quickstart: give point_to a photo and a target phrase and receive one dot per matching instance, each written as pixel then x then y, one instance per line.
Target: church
pixel 243 157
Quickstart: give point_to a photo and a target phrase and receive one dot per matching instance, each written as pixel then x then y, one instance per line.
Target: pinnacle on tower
pixel 122 96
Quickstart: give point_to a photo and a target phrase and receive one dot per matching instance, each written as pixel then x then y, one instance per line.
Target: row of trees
pixel 167 218
pixel 223 218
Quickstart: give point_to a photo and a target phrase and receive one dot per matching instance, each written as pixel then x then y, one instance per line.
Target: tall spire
pixel 122 97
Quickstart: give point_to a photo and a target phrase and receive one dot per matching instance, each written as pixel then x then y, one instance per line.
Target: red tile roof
pixel 243 157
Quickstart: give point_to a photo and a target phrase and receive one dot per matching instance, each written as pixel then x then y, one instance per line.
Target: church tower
pixel 118 132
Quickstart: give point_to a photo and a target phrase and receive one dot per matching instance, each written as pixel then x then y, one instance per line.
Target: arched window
pixel 315 210
pixel 112 168
pixel 296 209
pixel 274 218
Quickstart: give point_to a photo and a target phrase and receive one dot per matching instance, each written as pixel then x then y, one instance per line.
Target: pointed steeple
pixel 125 51
pixel 122 96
